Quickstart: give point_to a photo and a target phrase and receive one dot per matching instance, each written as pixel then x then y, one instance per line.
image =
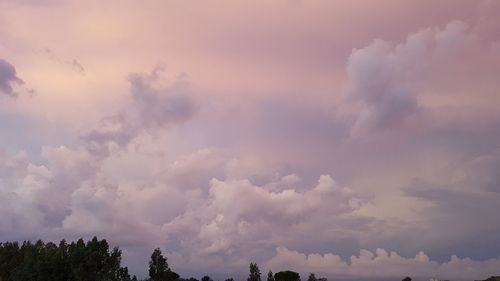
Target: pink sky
pixel 354 139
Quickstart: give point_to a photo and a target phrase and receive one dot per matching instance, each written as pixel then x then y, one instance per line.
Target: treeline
pixel 95 261
pixel 78 261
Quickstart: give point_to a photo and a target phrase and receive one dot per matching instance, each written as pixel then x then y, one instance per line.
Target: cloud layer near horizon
pixel 313 150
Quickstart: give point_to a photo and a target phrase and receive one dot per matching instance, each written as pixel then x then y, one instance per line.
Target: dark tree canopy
pixel 312 277
pixel 254 272
pixel 270 276
pixel 159 269
pixel 407 278
pixel 287 276
pixel 78 261
pixel 206 278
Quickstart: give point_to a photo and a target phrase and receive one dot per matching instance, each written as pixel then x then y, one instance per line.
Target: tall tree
pixel 158 266
pixel 254 272
pixel 159 269
pixel 79 261
pixel 270 276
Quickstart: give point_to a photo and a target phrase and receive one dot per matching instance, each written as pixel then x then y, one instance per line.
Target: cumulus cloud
pixel 40 195
pixel 195 204
pixel 383 264
pixel 226 187
pixel 237 218
pixel 386 78
pixel 160 107
pixel 151 108
pixel 77 191
pixel 195 217
pixel 8 79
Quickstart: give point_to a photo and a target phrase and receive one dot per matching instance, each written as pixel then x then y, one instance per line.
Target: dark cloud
pixel 387 79
pixel 484 172
pixel 152 108
pixel 377 79
pixel 162 106
pixel 77 66
pixel 74 64
pixel 460 220
pixel 8 78
pixel 240 181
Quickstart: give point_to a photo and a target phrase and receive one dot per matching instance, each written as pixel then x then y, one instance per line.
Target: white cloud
pixel 383 264
pixel 387 79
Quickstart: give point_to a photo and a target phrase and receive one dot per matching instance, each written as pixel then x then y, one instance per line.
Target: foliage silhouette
pixel 159 269
pixel 206 278
pixel 270 276
pixel 78 261
pixel 287 276
pixel 254 272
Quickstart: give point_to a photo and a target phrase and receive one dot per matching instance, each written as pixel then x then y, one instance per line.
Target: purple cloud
pixel 8 79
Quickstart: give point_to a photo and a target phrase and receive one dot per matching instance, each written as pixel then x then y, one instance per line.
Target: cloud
pixel 483 172
pixel 387 79
pixel 165 106
pixel 383 264
pixel 377 80
pixel 195 216
pixel 78 191
pixel 151 109
pixel 74 64
pixel 240 219
pixel 458 204
pixel 8 79
pixel 223 185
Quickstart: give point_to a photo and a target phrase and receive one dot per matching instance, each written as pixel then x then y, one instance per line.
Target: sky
pixel 353 139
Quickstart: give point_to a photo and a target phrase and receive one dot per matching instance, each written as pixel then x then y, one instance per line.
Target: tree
pixel 158 268
pixel 123 274
pixel 230 279
pixel 79 261
pixel 270 276
pixel 312 277
pixel 206 278
pixel 254 272
pixel 407 278
pixel 287 276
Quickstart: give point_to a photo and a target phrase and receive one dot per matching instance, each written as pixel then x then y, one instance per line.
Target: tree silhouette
pixel 407 278
pixel 312 277
pixel 270 276
pixel 159 269
pixel 287 276
pixel 206 278
pixel 254 272
pixel 78 261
